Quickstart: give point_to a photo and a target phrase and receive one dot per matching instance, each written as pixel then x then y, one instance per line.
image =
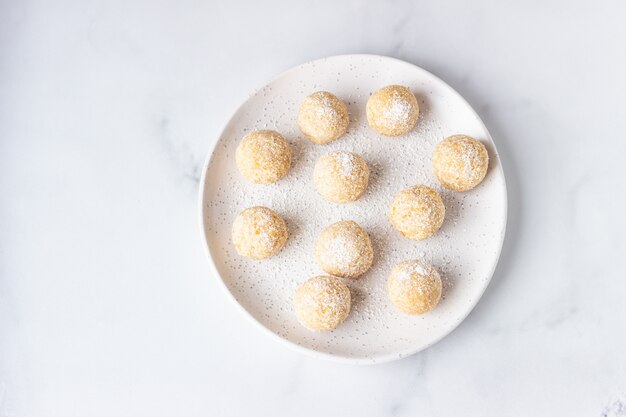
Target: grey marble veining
pixel 107 112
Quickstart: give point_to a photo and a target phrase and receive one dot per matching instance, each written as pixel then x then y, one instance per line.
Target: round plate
pixel 465 250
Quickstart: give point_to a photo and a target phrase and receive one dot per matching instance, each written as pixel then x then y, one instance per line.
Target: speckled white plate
pixel 465 251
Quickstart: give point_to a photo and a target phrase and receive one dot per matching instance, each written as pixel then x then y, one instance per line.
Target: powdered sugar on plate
pixel 464 251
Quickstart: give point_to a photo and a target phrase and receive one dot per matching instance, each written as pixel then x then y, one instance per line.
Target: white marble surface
pixel 107 109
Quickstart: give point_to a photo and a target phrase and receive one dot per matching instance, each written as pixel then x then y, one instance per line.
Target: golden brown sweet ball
pixel 322 303
pixel 392 110
pixel 417 212
pixel 263 156
pixel 414 287
pixel 341 177
pixel 258 233
pixel 460 162
pixel 323 117
pixel 344 249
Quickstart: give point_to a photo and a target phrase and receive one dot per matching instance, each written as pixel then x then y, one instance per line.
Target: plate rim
pixel 383 358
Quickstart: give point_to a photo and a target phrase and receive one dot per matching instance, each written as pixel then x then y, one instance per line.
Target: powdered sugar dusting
pixel 400 110
pixel 420 269
pixel 348 163
pixel 470 160
pixel 341 251
pixel 325 111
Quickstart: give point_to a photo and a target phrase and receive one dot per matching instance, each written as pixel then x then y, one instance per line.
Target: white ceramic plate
pixel 465 251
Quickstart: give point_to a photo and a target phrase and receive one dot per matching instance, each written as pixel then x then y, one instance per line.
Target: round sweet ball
pixel 414 287
pixel 258 233
pixel 460 162
pixel 341 177
pixel 392 110
pixel 344 249
pixel 323 117
pixel 322 303
pixel 417 212
pixel 263 156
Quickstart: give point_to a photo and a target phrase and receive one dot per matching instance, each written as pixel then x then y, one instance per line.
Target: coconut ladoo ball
pixel 392 110
pixel 460 162
pixel 258 233
pixel 344 249
pixel 323 117
pixel 263 156
pixel 322 303
pixel 417 212
pixel 341 177
pixel 414 287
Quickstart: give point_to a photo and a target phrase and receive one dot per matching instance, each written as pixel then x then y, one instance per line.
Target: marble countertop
pixel 107 305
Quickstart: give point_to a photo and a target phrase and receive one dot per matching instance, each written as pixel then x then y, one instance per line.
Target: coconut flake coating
pixel 417 212
pixel 414 287
pixel 344 249
pixel 341 177
pixel 258 233
pixel 263 156
pixel 392 110
pixel 322 303
pixel 323 117
pixel 460 162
